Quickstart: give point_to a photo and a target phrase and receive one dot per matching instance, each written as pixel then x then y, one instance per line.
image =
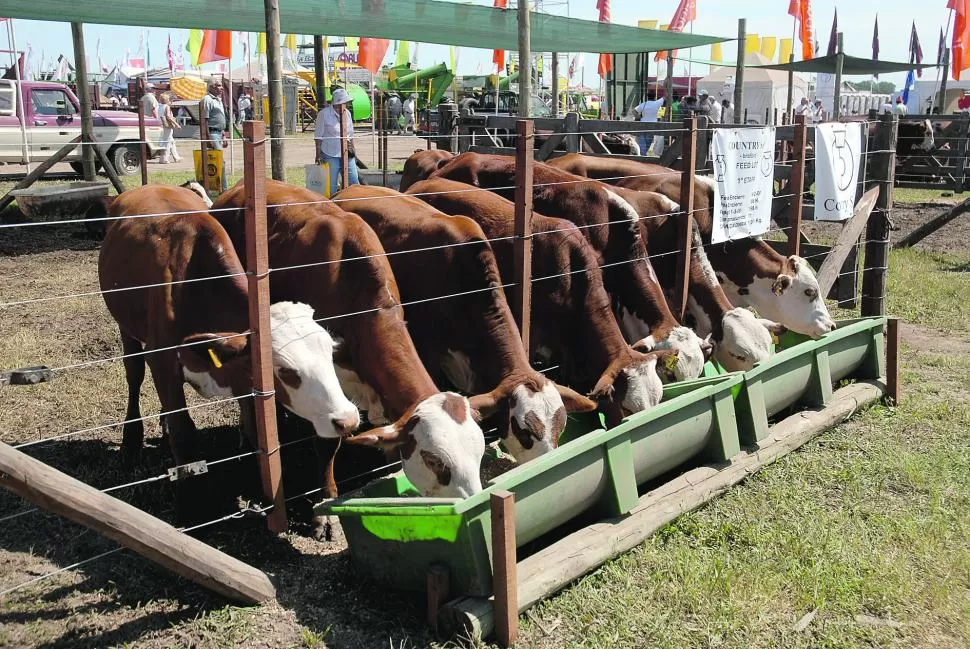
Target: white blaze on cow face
pixel 643 388
pixel 746 341
pixel 537 419
pixel 303 363
pixel 198 189
pixel 440 443
pixel 790 300
pixel 689 348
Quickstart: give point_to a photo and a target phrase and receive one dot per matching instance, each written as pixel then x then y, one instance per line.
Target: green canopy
pixel 851 65
pixel 428 21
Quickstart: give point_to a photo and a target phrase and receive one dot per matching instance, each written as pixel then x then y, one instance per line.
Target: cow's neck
pixel 745 260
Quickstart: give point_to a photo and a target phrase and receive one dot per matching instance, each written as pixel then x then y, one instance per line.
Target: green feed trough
pixel 394 536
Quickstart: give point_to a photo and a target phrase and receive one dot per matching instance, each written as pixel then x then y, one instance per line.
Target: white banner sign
pixel 825 90
pixel 837 159
pixel 744 166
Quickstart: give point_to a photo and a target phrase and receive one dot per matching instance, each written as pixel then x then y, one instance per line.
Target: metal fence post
pixel 797 184
pixel 686 225
pixel 877 230
pixel 522 291
pixel 260 344
pixel 142 137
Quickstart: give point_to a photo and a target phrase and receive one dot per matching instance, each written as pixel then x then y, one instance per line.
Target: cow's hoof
pixel 326 528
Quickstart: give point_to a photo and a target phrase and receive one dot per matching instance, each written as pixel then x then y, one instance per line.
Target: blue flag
pixel 910 80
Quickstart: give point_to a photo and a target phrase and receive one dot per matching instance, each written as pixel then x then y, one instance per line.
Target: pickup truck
pixel 51 116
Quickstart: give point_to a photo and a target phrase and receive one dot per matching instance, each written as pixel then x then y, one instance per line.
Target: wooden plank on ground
pixel 39 171
pixel 150 537
pixel 933 225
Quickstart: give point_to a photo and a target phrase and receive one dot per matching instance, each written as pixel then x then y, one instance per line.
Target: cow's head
pixel 631 385
pixel 790 298
pixel 692 352
pixel 440 443
pixel 193 186
pixel 745 340
pixel 303 367
pixel 929 141
pixel 537 410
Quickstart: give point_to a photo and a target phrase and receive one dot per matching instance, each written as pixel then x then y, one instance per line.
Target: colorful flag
pixel 910 81
pixel 371 53
pixel 785 50
pixel 194 45
pixel 216 46
pixel 647 24
pixel 606 60
pixel 875 39
pixel 498 56
pixel 403 53
pixel 261 43
pixel 768 46
pixel 575 65
pixel 717 54
pixel 834 35
pixel 915 50
pixel 169 54
pixel 801 10
pixel 752 44
pixel 941 48
pixel 961 37
pixel 686 13
pixel 289 42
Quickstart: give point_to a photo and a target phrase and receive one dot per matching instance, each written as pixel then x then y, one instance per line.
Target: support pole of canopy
pixel 555 84
pixel 669 88
pixel 525 60
pixel 274 79
pixel 946 73
pixel 84 96
pixel 839 61
pixel 318 71
pixel 739 72
pixel 791 87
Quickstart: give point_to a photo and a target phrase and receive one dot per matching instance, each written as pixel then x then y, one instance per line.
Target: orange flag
pixel 606 60
pixel 498 56
pixel 370 53
pixel 961 36
pixel 686 13
pixel 802 12
pixel 216 46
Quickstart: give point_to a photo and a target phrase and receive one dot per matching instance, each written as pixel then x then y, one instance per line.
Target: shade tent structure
pixel 851 65
pixel 428 21
pixel 765 89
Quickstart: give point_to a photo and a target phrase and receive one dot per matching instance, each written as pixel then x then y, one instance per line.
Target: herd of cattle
pixel 381 298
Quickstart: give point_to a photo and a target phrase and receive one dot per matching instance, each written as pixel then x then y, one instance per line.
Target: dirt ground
pixel 121 599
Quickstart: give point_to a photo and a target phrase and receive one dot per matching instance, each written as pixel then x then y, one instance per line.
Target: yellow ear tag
pixel 671 362
pixel 774 338
pixel 215 359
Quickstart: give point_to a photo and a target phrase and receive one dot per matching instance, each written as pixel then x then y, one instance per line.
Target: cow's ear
pixel 574 401
pixel 781 284
pixel 486 404
pixel 207 351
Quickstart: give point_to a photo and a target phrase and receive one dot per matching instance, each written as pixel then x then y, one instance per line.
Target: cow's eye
pixel 811 293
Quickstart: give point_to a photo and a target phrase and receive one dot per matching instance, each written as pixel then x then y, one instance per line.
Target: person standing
pixel 714 111
pixel 149 103
pixel 901 109
pixel 214 112
pixel 727 112
pixel 169 124
pixel 805 108
pixel 818 116
pixel 649 111
pixel 327 138
pixel 410 106
pixel 244 106
pixel 394 110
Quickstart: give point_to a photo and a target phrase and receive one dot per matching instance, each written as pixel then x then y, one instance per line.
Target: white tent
pixel 763 89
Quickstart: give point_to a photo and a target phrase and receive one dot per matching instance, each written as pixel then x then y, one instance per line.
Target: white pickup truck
pixel 43 116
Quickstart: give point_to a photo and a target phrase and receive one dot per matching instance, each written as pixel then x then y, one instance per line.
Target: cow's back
pixel 422 164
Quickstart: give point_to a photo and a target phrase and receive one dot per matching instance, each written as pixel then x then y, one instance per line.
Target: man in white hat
pixel 327 137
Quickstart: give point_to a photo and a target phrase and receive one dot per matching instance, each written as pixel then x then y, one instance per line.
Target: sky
pixel 714 17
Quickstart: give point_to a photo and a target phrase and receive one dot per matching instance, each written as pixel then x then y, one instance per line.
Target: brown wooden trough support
pixel 150 537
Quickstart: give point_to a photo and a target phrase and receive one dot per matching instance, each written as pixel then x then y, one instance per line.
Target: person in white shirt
pixel 149 103
pixel 715 111
pixel 727 112
pixel 410 107
pixel 327 137
pixel 901 108
pixel 805 108
pixel 649 111
pixel 244 105
pixel 818 116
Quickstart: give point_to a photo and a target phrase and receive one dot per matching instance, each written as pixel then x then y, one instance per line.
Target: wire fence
pixel 347 203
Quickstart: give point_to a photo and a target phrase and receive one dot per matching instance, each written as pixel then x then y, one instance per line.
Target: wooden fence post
pixel 877 230
pixel 522 291
pixel 571 128
pixel 892 361
pixel 797 184
pixel 204 147
pixel 260 344
pixel 685 228
pixel 344 154
pixel 142 137
pixel 504 578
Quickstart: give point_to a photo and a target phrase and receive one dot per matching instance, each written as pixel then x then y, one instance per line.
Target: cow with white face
pixel 440 444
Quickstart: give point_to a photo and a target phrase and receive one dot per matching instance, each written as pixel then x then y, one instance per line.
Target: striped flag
pixel 686 13
pixel 834 35
pixel 961 37
pixel 606 60
pixel 801 11
pixel 915 49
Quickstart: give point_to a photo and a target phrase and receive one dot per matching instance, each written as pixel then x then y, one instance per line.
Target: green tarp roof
pixel 850 65
pixel 426 21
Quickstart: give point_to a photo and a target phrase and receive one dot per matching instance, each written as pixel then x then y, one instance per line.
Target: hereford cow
pixel 472 338
pixel 572 324
pixel 332 260
pixel 422 164
pixel 782 289
pixel 189 328
pixel 609 223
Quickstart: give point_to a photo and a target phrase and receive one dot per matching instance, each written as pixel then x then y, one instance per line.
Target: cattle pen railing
pixel 105 513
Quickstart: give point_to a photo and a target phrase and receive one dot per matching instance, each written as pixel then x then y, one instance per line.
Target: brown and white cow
pixel 332 260
pixel 573 326
pixel 422 164
pixel 471 336
pixel 192 329
pixel 610 224
pixel 782 289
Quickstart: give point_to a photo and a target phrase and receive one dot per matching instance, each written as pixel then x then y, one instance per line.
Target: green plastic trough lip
pixel 519 475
